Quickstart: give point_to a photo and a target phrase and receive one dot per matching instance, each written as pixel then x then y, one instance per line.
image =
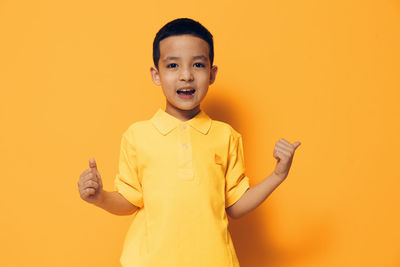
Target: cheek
pixel 169 79
pixel 204 78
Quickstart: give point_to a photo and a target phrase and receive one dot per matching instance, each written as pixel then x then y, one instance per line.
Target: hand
pixel 90 185
pixel 284 152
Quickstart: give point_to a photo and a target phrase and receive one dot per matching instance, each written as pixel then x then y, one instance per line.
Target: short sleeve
pixel 236 181
pixel 126 181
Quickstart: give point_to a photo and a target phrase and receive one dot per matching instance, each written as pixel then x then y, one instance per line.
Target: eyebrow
pixel 176 58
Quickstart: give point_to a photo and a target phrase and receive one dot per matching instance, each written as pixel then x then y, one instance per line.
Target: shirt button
pixel 184 126
pixel 185 145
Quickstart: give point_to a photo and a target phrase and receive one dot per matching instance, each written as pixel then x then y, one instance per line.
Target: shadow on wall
pixel 219 107
pixel 250 233
pixel 254 248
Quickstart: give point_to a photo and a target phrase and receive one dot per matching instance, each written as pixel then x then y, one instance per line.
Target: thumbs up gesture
pixel 90 185
pixel 284 152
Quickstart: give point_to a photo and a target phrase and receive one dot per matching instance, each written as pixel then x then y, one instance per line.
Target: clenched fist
pixel 90 185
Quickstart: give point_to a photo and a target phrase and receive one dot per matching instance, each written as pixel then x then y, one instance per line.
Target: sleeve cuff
pixel 126 191
pixel 238 192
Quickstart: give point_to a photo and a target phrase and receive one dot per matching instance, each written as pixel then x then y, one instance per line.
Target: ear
pixel 155 75
pixel 213 74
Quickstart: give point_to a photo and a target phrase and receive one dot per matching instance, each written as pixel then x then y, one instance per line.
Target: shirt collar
pixel 165 122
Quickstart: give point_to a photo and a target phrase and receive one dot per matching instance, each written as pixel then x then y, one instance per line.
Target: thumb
pixel 296 144
pixel 92 164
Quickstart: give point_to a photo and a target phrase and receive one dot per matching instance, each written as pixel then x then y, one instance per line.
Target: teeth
pixel 186 91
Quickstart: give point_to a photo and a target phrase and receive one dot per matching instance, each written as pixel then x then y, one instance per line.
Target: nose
pixel 186 74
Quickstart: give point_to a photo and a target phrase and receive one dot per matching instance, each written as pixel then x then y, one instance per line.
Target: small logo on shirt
pixel 217 159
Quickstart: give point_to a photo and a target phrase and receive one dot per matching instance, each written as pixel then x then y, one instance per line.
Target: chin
pixel 187 108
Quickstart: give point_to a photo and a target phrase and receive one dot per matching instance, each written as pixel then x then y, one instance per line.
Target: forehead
pixel 181 45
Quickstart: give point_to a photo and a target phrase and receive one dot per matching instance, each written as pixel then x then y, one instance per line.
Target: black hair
pixel 178 27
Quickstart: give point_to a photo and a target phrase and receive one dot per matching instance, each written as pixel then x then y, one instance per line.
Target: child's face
pixel 184 62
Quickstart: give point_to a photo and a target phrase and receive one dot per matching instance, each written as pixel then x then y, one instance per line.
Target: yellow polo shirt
pixel 182 175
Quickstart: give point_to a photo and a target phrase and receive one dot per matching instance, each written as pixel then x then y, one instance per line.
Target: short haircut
pixel 178 27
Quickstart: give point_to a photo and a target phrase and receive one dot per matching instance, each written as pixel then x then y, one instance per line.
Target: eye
pixel 171 65
pixel 200 65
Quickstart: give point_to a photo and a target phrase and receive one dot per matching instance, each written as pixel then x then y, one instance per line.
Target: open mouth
pixel 186 91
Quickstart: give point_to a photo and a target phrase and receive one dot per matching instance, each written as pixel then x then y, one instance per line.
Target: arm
pixel 254 196
pixel 115 203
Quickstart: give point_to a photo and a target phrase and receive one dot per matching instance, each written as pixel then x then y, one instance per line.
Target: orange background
pixel 75 74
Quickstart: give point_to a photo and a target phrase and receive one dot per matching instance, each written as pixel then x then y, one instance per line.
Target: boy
pixel 181 172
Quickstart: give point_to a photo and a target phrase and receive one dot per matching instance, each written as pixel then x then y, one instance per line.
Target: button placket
pixel 185 164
